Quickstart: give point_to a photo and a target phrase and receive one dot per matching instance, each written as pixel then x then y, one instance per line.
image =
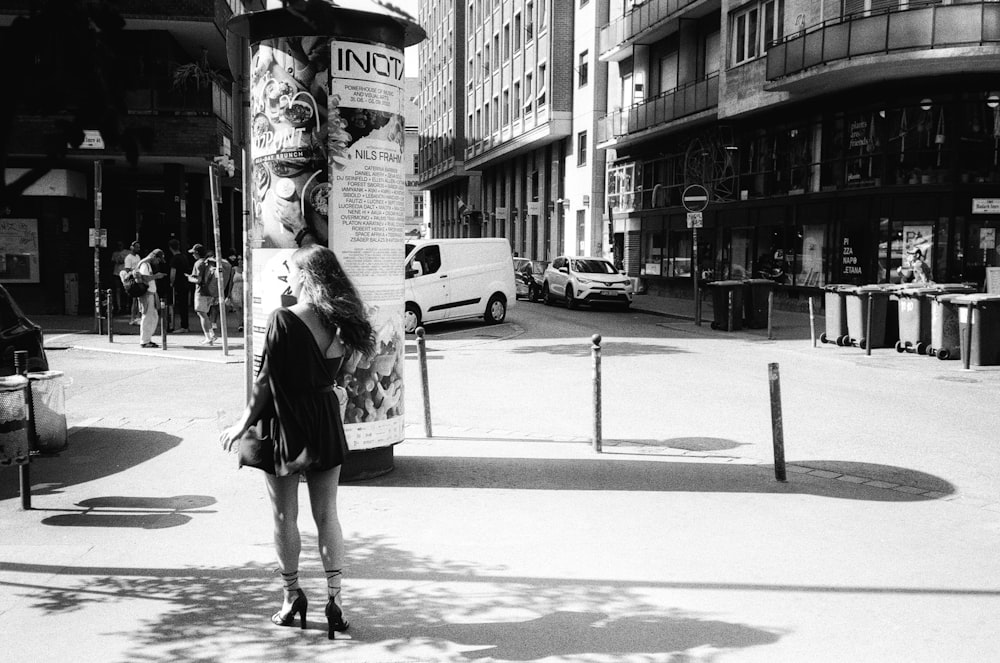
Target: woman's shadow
pixel 566 633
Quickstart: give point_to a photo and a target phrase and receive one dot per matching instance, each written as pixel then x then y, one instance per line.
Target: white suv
pixel 585 280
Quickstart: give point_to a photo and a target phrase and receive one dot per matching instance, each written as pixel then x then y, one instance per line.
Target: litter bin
pixel 916 315
pixel 836 313
pixel 720 305
pixel 856 301
pixel 985 350
pixel 945 341
pixel 755 302
pixel 48 408
pixel 13 421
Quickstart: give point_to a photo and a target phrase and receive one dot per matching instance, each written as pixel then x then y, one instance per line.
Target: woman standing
pixel 293 398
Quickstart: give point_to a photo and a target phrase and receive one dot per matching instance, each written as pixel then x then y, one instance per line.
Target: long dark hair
pixel 333 297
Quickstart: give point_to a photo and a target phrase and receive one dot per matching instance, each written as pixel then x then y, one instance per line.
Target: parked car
pixel 586 280
pixel 528 275
pixel 451 279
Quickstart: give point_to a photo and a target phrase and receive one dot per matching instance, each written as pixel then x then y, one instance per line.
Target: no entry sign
pixel 695 198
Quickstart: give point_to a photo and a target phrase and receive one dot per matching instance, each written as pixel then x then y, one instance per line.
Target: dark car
pixel 17 332
pixel 528 278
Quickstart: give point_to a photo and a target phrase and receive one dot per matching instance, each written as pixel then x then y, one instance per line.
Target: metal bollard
pixel 812 321
pixel 868 326
pixel 163 324
pixel 24 469
pixel 730 312
pixel 777 427
pixel 111 316
pixel 595 352
pixel 97 310
pixel 967 350
pixel 770 313
pixel 424 385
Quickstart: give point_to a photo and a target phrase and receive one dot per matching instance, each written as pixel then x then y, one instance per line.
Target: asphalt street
pixel 505 537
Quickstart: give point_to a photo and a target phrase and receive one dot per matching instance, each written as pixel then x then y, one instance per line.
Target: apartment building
pixel 451 189
pixel 835 138
pixel 179 95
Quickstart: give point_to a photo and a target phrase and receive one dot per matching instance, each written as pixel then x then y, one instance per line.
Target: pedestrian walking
pixel 180 267
pixel 122 299
pixel 131 262
pixel 148 301
pixel 206 290
pixel 294 401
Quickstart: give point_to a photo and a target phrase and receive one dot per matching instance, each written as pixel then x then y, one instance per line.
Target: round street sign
pixel 695 198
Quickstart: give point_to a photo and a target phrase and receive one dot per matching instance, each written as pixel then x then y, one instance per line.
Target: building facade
pixel 179 94
pixel 835 138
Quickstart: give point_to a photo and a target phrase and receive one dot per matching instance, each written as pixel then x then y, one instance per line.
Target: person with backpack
pixel 131 261
pixel 206 290
pixel 145 272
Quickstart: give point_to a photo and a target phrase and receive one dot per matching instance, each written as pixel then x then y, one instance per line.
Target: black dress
pixel 303 418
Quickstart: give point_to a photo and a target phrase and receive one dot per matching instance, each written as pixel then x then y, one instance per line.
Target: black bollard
pixel 812 321
pixel 967 350
pixel 424 384
pixel 868 326
pixel 24 469
pixel 163 324
pixel 111 315
pixel 595 351
pixel 730 313
pixel 770 313
pixel 777 427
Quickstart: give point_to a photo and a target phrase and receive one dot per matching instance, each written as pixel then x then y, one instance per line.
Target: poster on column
pixel 327 163
pixel 367 196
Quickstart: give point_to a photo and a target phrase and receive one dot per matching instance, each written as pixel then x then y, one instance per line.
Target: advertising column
pixel 326 141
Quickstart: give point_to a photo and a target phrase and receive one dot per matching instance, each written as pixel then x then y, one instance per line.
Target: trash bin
pixel 945 341
pixel 985 349
pixel 836 313
pixel 916 314
pixel 856 301
pixel 13 420
pixel 48 408
pixel 755 298
pixel 720 305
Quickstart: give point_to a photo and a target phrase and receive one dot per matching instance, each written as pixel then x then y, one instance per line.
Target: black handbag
pixel 256 449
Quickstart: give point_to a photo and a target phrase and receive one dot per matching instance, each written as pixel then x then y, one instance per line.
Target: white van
pixel 450 279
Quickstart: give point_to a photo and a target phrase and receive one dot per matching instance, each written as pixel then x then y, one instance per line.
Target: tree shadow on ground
pixel 91 453
pixel 615 471
pixel 423 609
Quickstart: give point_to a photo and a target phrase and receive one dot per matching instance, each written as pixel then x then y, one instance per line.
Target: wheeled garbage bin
pixel 985 347
pixel 726 309
pixel 48 410
pixel 836 313
pixel 945 341
pixel 916 317
pixel 755 298
pixel 856 302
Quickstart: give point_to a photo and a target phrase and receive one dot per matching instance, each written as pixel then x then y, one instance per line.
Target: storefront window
pixel 863 163
pixel 680 253
pixel 810 256
pixel 909 239
pixel 979 142
pixel 981 240
pixel 770 261
pixel 739 254
pixel 654 252
pixel 919 143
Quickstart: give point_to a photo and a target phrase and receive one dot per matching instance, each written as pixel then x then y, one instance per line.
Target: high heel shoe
pixel 335 618
pixel 299 606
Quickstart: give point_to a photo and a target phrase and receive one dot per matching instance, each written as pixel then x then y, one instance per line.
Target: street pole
pixel 595 351
pixel 213 177
pixel 97 245
pixel 694 274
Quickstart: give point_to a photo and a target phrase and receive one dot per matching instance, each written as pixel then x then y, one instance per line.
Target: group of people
pixel 184 280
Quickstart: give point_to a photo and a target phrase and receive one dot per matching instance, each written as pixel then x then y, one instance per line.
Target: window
pixel 541 84
pixel 529 25
pixel 506 42
pixel 506 107
pixel 527 93
pixel 517 100
pixel 582 68
pixel 756 27
pixel 581 148
pixel 496 50
pixel 418 205
pixel 517 32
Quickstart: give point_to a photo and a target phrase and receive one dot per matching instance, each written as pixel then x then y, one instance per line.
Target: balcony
pixel 642 18
pixel 957 31
pixel 683 101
